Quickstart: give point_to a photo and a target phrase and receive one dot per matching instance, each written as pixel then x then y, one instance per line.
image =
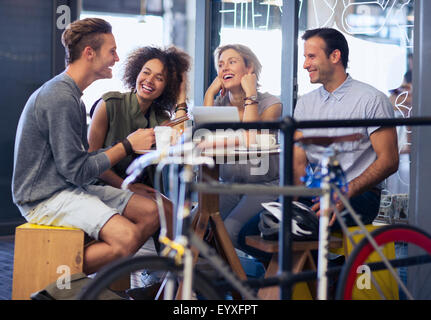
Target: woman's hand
pixel 215 87
pixel 249 84
pixel 182 96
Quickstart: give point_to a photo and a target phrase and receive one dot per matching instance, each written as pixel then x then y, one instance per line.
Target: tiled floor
pixel 6 267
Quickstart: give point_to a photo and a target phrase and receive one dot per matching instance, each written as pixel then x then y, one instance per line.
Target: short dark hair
pixel 82 33
pixel 175 61
pixel 334 39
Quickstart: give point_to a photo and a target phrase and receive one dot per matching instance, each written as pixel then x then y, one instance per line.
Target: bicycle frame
pixel 185 238
pixel 327 206
pixel 325 209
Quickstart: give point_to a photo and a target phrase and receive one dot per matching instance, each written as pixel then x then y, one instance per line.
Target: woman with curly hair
pixel 157 82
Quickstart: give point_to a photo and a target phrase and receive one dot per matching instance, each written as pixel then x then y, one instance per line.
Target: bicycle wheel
pixel 201 285
pixel 409 250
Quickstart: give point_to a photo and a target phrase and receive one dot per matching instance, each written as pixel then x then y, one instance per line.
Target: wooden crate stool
pixel 301 260
pixel 39 252
pixel 42 254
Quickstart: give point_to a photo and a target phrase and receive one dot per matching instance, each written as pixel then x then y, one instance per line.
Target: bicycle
pixel 176 261
pixel 330 180
pixel 401 235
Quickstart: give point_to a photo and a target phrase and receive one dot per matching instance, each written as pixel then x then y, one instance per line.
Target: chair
pixel 45 254
pixel 301 260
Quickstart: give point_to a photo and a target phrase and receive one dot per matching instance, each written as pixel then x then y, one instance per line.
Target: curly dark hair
pixel 175 62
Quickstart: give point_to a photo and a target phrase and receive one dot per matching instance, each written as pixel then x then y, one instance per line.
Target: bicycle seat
pixel 326 141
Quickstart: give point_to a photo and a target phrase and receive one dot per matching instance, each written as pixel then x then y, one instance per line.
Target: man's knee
pixel 128 244
pixel 149 214
pixel 121 235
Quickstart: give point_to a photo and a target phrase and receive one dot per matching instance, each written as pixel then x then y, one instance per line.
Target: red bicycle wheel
pixel 417 243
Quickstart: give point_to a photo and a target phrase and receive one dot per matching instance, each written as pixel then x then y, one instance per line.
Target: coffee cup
pixel 266 141
pixel 163 137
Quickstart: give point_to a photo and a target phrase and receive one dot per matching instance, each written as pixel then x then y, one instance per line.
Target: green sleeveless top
pixel 125 117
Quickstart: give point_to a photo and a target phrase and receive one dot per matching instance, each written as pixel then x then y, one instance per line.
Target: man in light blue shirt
pixel 366 162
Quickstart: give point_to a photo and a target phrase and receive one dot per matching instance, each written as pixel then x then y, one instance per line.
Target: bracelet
pixel 178 109
pixel 127 146
pixel 181 106
pixel 250 103
pixel 253 98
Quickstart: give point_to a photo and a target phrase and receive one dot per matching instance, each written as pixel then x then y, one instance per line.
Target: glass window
pixel 256 24
pixel 379 33
pixel 380 37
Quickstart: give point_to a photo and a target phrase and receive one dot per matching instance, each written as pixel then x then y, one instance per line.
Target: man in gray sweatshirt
pixel 53 170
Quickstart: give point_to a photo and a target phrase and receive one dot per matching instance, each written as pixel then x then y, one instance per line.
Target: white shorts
pixel 87 208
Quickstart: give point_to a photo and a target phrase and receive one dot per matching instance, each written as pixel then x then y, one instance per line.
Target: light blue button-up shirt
pixel 351 100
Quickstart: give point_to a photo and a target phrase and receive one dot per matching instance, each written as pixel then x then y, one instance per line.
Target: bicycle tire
pixel 397 234
pixel 104 278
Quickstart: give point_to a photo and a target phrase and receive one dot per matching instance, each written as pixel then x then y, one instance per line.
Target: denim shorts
pixel 87 208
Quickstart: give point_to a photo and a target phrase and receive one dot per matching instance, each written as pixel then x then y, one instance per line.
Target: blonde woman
pixel 237 84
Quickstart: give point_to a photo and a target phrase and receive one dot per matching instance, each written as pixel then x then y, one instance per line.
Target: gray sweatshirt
pixel 51 144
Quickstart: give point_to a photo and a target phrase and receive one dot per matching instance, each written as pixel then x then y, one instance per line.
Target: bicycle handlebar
pixel 184 153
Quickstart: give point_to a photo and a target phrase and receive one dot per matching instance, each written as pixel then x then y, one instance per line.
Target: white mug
pixel 266 140
pixel 163 137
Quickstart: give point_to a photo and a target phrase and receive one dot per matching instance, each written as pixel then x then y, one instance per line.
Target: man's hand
pixel 300 161
pixel 316 208
pixel 142 189
pixel 142 139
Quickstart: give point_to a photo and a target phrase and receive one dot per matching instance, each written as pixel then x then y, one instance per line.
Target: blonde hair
pixel 250 59
pixel 82 33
